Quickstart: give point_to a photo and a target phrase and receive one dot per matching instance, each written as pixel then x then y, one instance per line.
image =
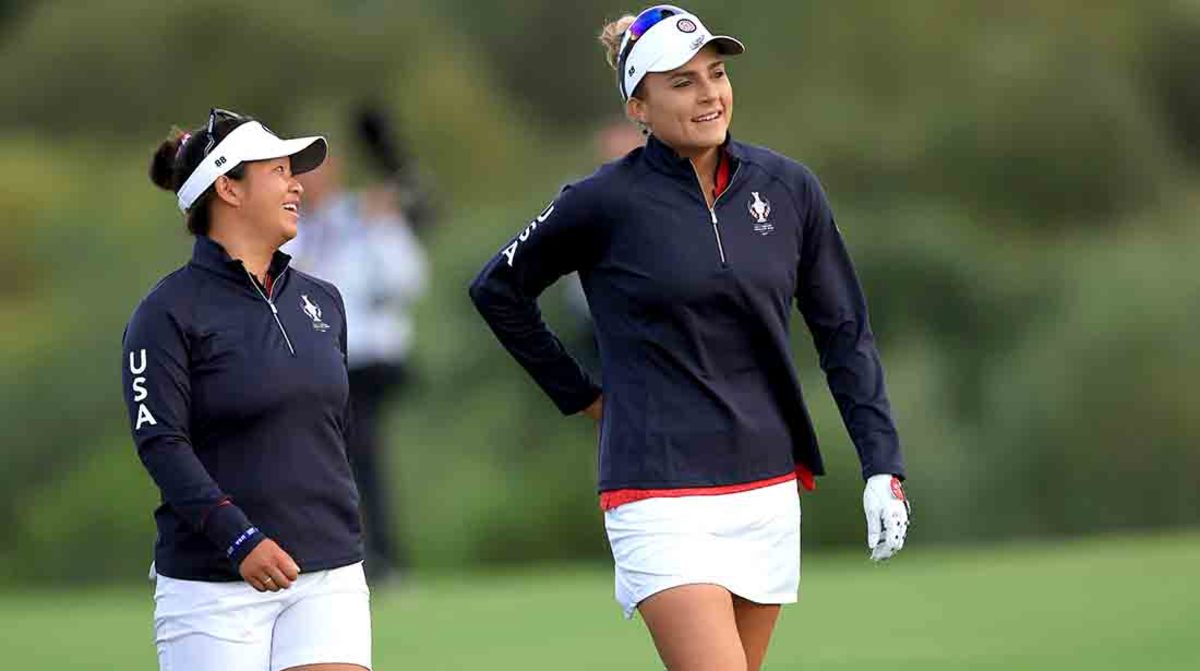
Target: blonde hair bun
pixel 610 36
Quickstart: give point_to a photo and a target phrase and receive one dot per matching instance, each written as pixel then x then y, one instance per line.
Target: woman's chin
pixel 289 229
pixel 716 135
pixel 702 142
pixel 708 135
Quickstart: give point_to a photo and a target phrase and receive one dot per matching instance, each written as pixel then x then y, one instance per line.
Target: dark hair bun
pixel 162 165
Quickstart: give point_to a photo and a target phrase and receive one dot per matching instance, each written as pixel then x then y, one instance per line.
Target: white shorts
pixel 228 626
pixel 748 543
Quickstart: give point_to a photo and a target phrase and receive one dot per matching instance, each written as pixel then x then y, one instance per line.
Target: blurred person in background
pixel 691 252
pixel 235 379
pixel 617 138
pixel 364 242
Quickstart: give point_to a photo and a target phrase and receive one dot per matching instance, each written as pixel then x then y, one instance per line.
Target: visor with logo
pixel 661 39
pixel 250 141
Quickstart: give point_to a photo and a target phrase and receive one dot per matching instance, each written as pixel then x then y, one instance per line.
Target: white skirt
pixel 324 616
pixel 748 543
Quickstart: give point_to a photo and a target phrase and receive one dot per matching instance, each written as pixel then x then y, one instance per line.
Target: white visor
pixel 668 44
pixel 250 141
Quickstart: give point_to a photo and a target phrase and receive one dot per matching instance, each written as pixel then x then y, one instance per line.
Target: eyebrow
pixel 691 73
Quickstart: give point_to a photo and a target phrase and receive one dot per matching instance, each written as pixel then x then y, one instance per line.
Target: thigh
pixel 327 626
pixel 755 622
pixel 694 628
pixel 204 652
pixel 203 626
pixel 329 667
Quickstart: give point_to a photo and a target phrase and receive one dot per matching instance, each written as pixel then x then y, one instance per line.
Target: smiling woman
pixel 691 251
pixel 234 373
pixel 211 160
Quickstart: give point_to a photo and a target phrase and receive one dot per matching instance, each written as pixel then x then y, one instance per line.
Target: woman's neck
pixel 705 161
pixel 255 255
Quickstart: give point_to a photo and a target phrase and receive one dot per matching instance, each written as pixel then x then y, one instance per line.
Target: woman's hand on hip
pixel 596 409
pixel 268 568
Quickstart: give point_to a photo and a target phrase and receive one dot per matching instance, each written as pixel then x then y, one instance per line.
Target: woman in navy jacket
pixel 691 251
pixel 235 379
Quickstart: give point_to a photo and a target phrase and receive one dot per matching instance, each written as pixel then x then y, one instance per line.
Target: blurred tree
pixel 9 11
pixel 545 53
pixel 1172 70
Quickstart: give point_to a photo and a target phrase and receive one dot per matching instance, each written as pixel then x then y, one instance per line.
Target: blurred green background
pixel 1018 183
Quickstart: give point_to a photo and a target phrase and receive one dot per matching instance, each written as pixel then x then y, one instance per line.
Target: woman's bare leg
pixel 694 628
pixel 755 622
pixel 327 667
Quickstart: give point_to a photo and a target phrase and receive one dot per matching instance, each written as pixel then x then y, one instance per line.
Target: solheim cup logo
pixel 760 208
pixel 686 25
pixel 314 313
pixel 310 308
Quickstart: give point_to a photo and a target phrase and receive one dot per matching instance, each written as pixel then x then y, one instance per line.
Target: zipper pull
pixel 274 310
pixel 713 212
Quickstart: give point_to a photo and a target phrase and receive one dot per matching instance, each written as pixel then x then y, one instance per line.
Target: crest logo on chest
pixel 314 313
pixel 760 208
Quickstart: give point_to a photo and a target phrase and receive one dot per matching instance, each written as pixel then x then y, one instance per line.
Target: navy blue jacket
pixel 238 400
pixel 691 308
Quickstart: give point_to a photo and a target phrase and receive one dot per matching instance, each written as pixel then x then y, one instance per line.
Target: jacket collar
pixel 664 159
pixel 210 255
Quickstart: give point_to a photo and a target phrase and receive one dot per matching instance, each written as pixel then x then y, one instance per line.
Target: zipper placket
pixel 274 310
pixel 712 211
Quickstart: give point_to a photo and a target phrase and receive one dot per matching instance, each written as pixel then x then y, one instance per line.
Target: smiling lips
pixel 294 208
pixel 711 116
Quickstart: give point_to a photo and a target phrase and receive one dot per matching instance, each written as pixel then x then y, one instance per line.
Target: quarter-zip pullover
pixel 238 399
pixel 691 307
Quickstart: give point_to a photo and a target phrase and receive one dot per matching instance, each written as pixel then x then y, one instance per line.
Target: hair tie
pixel 182 141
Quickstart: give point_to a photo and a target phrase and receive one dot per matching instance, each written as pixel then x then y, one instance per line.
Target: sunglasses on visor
pixel 215 116
pixel 644 21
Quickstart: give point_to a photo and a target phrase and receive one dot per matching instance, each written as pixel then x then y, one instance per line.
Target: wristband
pixel 241 540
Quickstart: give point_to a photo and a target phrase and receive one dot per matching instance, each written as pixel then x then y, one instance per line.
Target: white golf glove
pixel 887 512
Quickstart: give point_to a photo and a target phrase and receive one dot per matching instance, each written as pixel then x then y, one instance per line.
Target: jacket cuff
pixel 895 468
pixel 880 454
pixel 576 402
pixel 231 531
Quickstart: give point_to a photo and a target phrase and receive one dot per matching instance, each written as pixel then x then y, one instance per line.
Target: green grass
pixel 1102 603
